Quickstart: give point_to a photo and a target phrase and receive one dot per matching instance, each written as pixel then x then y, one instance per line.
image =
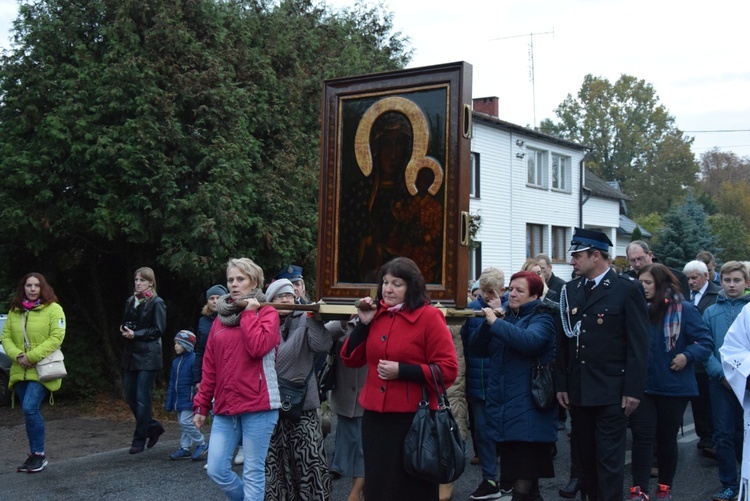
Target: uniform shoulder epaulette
pixel 627 277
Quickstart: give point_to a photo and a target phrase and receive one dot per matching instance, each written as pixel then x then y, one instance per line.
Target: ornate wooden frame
pixel 394 181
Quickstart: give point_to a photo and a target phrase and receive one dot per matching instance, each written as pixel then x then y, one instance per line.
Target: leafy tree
pixel 725 184
pixel 652 222
pixel 167 133
pixel 685 233
pixel 734 200
pixel 719 167
pixel 732 237
pixel 633 137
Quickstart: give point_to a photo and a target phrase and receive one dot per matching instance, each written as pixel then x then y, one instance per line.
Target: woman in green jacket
pixel 35 310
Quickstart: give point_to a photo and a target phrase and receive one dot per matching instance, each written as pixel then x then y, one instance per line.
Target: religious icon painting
pixel 395 180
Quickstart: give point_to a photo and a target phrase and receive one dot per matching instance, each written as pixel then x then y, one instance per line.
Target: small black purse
pixel 292 395
pixel 434 449
pixel 542 385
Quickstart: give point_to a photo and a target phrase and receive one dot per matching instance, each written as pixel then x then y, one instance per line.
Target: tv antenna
pixel 531 62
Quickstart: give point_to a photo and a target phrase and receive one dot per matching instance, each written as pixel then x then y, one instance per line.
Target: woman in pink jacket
pixel 397 341
pixel 239 382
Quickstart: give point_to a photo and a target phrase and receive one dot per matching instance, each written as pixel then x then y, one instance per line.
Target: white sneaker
pixel 205 466
pixel 239 458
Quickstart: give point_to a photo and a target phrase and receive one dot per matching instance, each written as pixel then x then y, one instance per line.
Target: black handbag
pixel 434 449
pixel 327 375
pixel 542 386
pixel 292 395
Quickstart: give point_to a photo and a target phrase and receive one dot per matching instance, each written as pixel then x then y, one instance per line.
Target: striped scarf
pixel 672 320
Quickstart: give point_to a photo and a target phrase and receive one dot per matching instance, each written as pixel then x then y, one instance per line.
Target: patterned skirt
pixel 296 464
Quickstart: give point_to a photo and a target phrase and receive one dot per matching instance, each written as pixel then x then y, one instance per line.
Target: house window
pixel 474 186
pixel 475 260
pixel 560 239
pixel 537 167
pixel 560 173
pixel 534 240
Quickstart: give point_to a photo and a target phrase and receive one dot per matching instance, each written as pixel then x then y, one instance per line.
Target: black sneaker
pixel 37 463
pixel 25 466
pixel 486 490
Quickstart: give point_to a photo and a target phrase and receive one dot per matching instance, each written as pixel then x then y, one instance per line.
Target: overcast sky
pixel 695 54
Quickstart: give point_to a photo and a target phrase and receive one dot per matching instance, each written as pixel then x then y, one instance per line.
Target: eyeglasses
pixel 638 259
pixel 286 295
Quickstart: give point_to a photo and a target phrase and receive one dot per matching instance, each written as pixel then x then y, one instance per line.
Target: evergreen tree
pixel 685 233
pixel 168 134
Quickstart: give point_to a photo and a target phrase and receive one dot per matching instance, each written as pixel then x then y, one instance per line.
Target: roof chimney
pixel 486 105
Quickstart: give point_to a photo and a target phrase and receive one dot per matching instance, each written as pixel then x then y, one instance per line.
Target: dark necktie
pixel 589 288
pixel 692 296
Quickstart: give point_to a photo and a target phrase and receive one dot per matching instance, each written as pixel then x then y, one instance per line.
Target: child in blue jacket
pixel 180 398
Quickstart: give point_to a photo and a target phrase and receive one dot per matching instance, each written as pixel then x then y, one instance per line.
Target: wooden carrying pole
pixel 345 311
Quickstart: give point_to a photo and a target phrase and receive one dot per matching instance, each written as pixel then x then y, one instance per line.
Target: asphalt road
pixel 116 475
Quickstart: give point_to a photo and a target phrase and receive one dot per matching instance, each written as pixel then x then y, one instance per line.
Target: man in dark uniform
pixel 602 361
pixel 293 273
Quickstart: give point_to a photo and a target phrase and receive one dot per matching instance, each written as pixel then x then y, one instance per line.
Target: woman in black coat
pixel 143 324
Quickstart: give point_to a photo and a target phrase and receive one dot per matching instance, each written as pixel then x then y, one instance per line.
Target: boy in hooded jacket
pixel 180 398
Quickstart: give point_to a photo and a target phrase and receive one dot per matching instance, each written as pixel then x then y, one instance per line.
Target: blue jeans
pixel 137 386
pixel 31 394
pixel 728 433
pixel 255 429
pixel 486 447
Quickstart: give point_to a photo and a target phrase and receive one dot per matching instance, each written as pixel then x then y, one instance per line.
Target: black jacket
pixel 610 359
pixel 556 284
pixel 144 352
pixel 708 298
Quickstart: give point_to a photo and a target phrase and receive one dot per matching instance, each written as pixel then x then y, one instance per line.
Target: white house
pixel 530 192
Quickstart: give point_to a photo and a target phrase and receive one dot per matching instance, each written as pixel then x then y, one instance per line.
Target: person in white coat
pixel 735 360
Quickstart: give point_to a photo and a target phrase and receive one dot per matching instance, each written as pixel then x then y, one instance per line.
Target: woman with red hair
pixel 524 336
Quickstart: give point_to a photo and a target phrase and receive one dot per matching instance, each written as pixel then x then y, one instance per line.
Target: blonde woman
pixel 533 266
pixel 239 382
pixel 144 322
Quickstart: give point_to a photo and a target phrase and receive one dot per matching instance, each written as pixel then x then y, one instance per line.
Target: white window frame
pixel 560 237
pixel 535 237
pixel 536 168
pixel 561 173
pixel 474 175
pixel 475 261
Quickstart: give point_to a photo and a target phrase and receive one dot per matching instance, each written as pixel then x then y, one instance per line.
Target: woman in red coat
pixel 397 339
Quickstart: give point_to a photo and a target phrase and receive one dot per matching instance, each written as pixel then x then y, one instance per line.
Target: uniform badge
pixel 574 311
pixel 600 320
